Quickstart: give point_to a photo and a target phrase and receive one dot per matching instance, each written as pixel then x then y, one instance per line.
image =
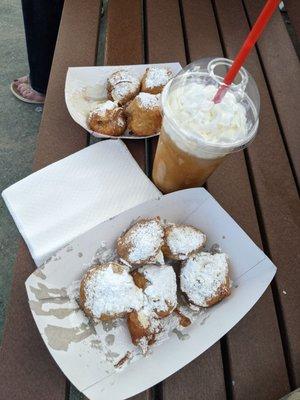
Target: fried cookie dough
pixel 122 86
pixel 144 116
pixel 108 119
pixel 108 291
pixel 181 241
pixel 155 79
pixel 204 279
pixel 142 242
pixel 159 286
pixel 141 328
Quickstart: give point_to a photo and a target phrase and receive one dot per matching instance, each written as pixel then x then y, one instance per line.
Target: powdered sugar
pixel 123 75
pixel 148 100
pixel 103 107
pixel 182 240
pixel 161 290
pixel 108 292
pixel 156 77
pixel 122 84
pixel 121 121
pixel 123 89
pixel 203 275
pixel 145 240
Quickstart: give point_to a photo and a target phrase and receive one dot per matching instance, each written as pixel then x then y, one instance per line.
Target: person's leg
pixel 41 22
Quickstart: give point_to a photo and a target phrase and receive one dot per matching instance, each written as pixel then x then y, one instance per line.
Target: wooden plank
pixel 257 333
pixel 293 10
pixel 124 46
pixel 26 368
pixel 226 192
pixel 204 377
pixel 275 192
pixel 275 48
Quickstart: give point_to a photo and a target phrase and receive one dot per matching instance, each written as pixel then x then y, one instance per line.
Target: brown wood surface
pixel 274 190
pixel 124 46
pixel 26 368
pixel 255 341
pixel 256 187
pixel 282 69
pixel 293 9
pixel 204 375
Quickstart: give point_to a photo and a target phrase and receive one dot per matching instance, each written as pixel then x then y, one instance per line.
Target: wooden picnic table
pixel 260 357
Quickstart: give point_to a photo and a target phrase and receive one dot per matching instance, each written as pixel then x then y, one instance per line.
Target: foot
pixel 23 79
pixel 28 93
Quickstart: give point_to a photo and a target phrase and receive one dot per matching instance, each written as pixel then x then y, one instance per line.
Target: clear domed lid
pixel 188 102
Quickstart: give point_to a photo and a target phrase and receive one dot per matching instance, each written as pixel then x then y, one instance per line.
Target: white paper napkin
pixel 54 205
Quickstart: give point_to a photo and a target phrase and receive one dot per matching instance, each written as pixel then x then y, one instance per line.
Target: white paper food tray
pixel 86 85
pixel 73 343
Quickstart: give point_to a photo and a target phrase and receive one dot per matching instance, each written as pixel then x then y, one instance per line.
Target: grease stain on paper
pixel 96 344
pixel 45 295
pixel 110 325
pixel 60 313
pixel 60 338
pixel 39 273
pixel 215 248
pixel 110 339
pixel 42 292
pixel 180 335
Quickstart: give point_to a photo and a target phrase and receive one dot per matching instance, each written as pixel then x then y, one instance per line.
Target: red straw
pixel 252 38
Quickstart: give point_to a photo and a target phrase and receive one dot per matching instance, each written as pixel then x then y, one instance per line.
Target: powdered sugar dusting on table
pixel 184 239
pixel 203 275
pixel 148 100
pixel 156 77
pixel 108 292
pixel 161 290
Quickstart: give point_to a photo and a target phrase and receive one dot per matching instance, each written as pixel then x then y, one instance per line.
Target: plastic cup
pixel 197 134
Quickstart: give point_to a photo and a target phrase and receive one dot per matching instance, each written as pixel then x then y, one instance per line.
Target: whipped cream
pixel 201 122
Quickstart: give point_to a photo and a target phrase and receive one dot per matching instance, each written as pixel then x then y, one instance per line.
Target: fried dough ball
pixel 142 242
pixel 108 119
pixel 181 241
pixel 204 279
pixel 122 86
pixel 144 117
pixel 155 79
pixel 159 286
pixel 108 291
pixel 184 320
pixel 141 330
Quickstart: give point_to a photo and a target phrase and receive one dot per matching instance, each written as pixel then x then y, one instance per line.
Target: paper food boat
pixel 85 86
pixel 74 344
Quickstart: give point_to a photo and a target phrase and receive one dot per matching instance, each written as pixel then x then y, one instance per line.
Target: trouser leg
pixel 41 22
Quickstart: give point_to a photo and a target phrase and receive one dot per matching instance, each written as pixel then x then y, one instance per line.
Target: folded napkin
pixel 56 204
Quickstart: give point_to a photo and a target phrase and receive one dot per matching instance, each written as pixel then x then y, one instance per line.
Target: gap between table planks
pixel 293 9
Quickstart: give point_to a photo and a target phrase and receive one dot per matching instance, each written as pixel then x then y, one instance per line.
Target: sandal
pixel 33 97
pixel 23 79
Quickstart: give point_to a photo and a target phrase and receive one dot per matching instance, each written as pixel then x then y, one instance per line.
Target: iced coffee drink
pixel 198 134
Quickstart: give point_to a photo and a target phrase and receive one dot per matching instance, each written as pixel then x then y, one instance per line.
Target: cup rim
pixel 208 146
